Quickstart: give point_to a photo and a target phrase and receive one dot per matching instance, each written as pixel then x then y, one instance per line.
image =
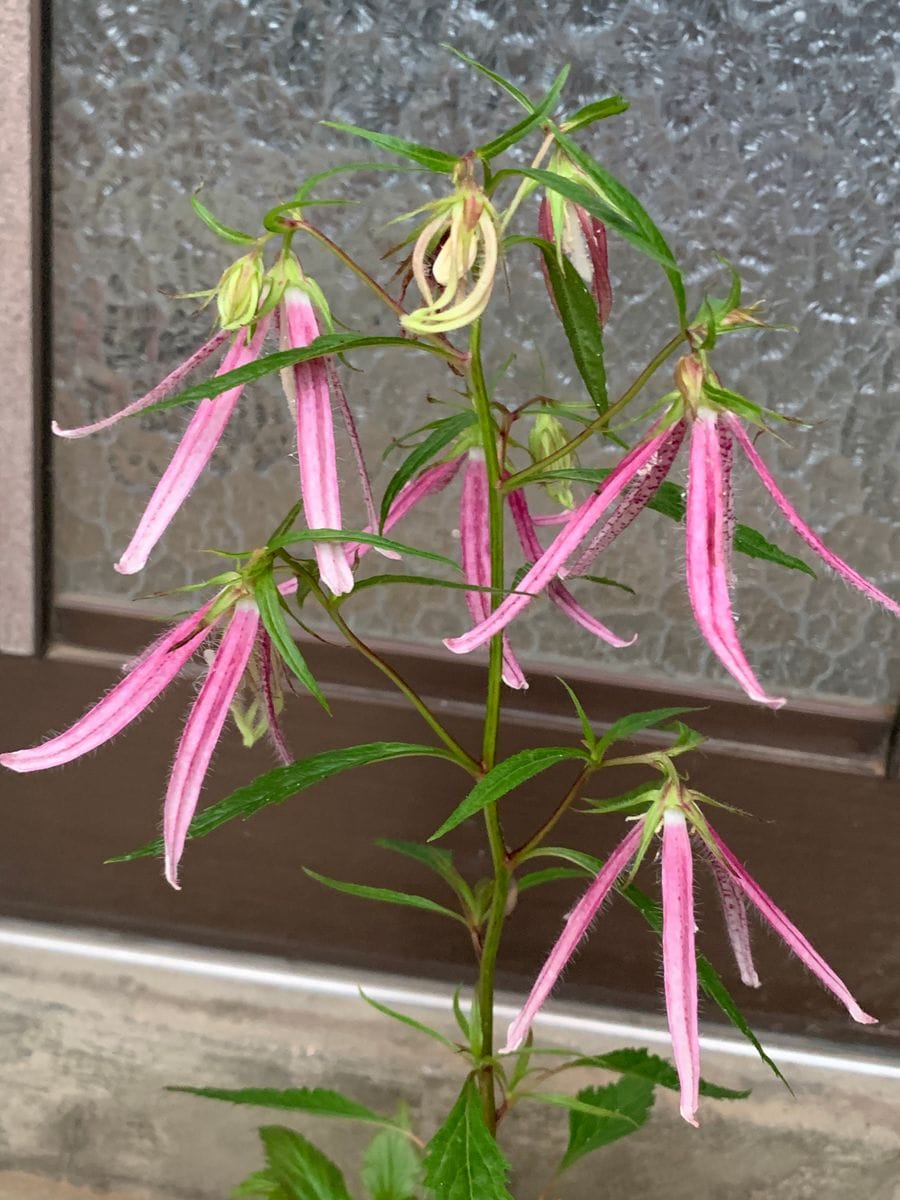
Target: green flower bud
pixel 239 291
pixel 547 436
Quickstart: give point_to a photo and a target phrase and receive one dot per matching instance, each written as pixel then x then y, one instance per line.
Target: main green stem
pixel 497 913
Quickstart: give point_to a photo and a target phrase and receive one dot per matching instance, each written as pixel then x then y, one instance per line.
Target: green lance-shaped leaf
pixel 463 1161
pixel 411 1023
pixel 598 110
pixel 268 600
pixel 303 1171
pixel 426 156
pixel 284 782
pixel 236 236
pixel 549 875
pixel 510 88
pixel 356 535
pixel 442 434
pixel 319 1102
pixel 578 313
pixel 522 128
pixel 504 777
pixel 751 542
pixel 385 895
pixel 600 1115
pixel 625 728
pixel 650 1066
pixel 436 859
pixel 321 347
pixel 305 190
pixel 391 1167
pixel 631 207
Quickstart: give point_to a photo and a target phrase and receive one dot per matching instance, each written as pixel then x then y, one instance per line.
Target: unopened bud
pixel 546 437
pixel 689 375
pixel 239 291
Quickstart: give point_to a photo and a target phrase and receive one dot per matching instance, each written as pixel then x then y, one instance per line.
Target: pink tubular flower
pixel 427 483
pixel 146 679
pixel 709 535
pixel 307 390
pixel 194 451
pixel 475 546
pixel 203 728
pixel 678 936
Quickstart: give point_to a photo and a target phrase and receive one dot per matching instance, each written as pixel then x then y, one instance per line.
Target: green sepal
pixel 279 785
pixel 426 156
pixel 590 738
pixel 635 799
pixel 385 896
pixel 269 601
pixel 504 777
pixel 236 236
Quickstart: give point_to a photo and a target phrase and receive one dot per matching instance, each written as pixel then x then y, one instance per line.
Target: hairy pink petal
pixel 799 525
pixel 789 933
pixel 475 547
pixel 633 502
pixel 708 556
pixel 561 548
pixel 266 672
pixel 557 593
pixel 146 679
pixel 193 453
pixel 679 958
pixel 307 387
pixel 734 910
pixel 576 926
pixel 202 730
pixel 162 391
pixel 433 479
pixel 594 232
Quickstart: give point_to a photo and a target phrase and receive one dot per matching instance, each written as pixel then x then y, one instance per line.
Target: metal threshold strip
pixel 270 973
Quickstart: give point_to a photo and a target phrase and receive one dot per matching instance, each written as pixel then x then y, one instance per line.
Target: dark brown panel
pixel 825 842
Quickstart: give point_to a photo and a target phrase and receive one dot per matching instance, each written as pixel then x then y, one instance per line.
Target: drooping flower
pixel 475 546
pixel 247 300
pixel 306 387
pixel 145 680
pixel 632 484
pixel 676 813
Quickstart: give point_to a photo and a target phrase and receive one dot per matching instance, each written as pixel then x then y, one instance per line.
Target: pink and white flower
pixel 146 679
pixel 678 936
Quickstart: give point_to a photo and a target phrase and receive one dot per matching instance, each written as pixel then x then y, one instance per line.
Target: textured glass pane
pixel 759 131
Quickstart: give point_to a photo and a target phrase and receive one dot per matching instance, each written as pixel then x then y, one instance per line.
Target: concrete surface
pixel 92 1028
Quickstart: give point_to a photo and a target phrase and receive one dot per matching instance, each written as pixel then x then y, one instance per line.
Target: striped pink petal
pixel 202 730
pixel 162 391
pixel 194 451
pixel 789 933
pixel 306 385
pixel 679 958
pixel 799 525
pixel 708 553
pixel 561 548
pixel 475 548
pixel 556 591
pixel 576 926
pixel 734 910
pixel 427 483
pixel 146 679
pixel 633 503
